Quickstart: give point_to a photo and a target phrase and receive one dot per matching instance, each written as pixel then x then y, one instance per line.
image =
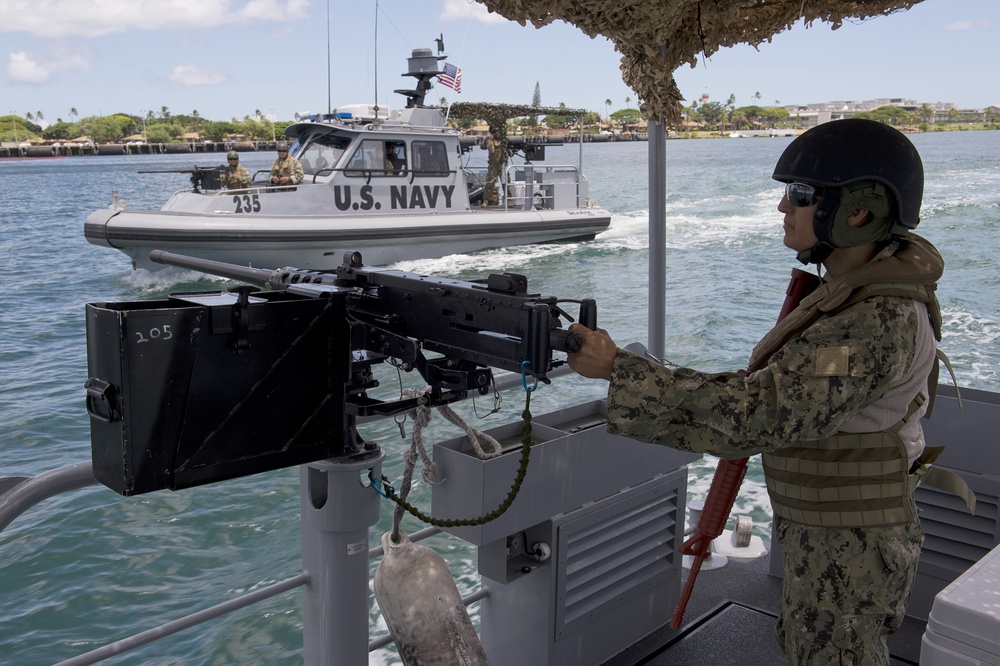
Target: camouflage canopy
pixel 497 115
pixel 655 37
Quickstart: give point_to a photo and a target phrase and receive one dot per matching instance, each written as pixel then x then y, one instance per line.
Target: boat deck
pixel 730 621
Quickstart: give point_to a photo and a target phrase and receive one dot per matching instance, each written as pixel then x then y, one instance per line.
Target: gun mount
pixel 208 178
pixel 208 386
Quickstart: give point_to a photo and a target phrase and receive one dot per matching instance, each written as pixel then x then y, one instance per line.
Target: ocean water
pixel 89 567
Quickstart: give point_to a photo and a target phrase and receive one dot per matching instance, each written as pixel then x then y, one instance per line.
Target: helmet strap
pixel 822 222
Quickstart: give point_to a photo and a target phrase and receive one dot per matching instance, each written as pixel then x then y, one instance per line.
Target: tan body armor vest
pixel 852 479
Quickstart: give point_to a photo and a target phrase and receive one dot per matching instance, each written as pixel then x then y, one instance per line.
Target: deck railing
pixel 19 494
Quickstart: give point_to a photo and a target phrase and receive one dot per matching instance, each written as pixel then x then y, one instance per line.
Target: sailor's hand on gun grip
pixel 596 355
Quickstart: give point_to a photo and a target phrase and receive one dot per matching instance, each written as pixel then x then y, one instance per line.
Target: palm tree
pixel 72 112
pixel 165 112
pixel 607 105
pixel 926 113
pixel 39 115
pixel 29 117
pixel 628 102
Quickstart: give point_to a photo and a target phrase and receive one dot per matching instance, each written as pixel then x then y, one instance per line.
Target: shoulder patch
pixel 832 361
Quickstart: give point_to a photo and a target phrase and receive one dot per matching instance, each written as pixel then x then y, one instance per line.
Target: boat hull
pixel 319 243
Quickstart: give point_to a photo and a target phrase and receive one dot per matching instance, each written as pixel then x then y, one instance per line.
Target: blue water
pixel 90 567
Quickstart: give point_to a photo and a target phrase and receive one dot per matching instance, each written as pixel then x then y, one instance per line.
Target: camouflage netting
pixel 683 29
pixel 497 115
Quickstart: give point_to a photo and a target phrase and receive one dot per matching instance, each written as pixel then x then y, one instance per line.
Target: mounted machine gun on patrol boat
pixel 207 178
pixel 203 387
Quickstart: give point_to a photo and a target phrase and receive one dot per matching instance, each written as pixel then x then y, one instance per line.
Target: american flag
pixel 452 77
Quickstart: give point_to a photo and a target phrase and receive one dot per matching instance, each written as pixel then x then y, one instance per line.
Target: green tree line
pixel 162 128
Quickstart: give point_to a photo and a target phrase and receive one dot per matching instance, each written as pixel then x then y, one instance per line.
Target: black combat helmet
pixel 841 152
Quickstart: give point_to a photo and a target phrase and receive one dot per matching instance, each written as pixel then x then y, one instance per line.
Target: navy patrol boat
pixel 393 188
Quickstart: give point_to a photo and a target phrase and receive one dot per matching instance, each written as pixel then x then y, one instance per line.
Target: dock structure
pixel 11 150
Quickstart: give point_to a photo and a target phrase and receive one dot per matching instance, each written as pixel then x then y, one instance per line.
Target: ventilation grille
pixel 955 539
pixel 614 553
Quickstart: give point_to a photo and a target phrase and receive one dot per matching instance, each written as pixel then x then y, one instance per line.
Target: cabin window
pixel 378 158
pixel 430 158
pixel 322 153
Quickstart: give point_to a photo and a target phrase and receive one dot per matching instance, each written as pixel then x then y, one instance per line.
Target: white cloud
pixel 464 9
pixel 960 26
pixel 273 10
pixel 22 69
pixel 192 75
pixel 96 18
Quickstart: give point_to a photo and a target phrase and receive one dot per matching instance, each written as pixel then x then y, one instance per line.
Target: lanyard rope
pixel 417 451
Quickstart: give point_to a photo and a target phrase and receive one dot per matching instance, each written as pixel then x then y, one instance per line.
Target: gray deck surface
pixel 730 620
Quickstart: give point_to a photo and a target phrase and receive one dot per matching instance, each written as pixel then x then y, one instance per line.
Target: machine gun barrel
pixel 258 276
pixel 191 170
pixel 496 323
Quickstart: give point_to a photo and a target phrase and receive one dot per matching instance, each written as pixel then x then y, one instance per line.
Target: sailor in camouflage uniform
pixel 236 176
pixel 832 397
pixel 286 170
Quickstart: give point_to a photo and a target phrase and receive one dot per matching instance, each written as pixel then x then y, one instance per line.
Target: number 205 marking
pixel 155 333
pixel 246 203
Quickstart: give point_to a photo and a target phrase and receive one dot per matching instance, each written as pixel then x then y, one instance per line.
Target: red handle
pixel 729 474
pixel 719 504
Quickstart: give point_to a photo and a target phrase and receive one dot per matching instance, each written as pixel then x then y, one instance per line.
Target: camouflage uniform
pixel 289 166
pixel 235 178
pixel 496 161
pixel 844 588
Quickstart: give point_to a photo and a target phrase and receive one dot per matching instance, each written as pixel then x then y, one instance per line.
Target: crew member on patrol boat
pixel 286 170
pixel 236 176
pixel 832 397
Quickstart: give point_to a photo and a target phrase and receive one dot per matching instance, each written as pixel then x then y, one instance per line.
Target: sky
pixel 231 58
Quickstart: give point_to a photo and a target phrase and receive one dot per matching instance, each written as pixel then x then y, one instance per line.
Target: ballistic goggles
pixel 801 195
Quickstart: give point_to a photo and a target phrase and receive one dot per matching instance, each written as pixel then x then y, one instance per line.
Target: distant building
pixel 810 115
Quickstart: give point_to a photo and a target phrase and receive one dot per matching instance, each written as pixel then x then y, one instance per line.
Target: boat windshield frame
pixel 321 150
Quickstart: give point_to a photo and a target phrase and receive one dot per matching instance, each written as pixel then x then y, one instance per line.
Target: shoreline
pixel 63 150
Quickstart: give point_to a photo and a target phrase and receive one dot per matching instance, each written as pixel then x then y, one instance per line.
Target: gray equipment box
pixel 964 624
pixel 585 561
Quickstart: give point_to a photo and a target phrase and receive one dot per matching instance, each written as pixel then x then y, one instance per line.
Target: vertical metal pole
pixel 657 237
pixel 337 510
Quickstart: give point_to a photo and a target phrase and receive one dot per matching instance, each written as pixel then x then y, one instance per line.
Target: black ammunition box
pixel 199 388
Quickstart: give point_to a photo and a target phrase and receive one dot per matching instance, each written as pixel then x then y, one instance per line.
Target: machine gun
pixel 209 178
pixel 203 387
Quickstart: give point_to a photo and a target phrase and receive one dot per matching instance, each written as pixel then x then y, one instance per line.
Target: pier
pixel 11 150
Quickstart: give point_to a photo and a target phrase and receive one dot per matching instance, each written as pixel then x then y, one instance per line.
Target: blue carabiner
pixel 524 377
pixel 375 487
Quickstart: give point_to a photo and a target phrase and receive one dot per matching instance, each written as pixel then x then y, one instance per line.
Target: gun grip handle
pixel 574 342
pixel 588 313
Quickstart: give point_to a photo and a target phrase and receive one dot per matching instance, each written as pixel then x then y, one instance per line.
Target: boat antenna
pixel 376 60
pixel 461 54
pixel 329 75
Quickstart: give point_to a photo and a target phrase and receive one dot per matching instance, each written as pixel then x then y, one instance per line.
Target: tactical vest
pixel 856 479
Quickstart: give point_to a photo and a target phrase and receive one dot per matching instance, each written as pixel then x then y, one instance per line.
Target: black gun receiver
pixel 209 386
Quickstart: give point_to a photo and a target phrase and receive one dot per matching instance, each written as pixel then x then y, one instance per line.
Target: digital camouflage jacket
pixel 806 388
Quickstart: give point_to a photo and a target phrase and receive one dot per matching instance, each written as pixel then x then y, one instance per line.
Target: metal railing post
pixel 338 507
